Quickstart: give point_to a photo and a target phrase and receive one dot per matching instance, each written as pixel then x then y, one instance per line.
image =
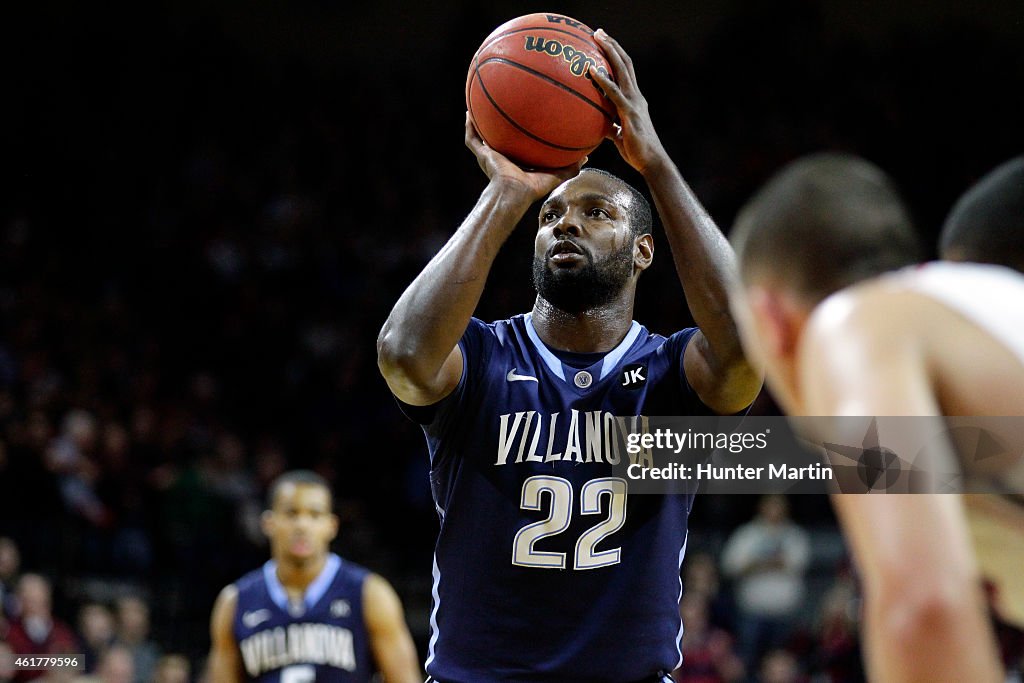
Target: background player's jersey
pixel 322 639
pixel 546 568
pixel 990 296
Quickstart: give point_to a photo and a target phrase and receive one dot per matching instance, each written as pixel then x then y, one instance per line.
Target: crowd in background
pixel 199 242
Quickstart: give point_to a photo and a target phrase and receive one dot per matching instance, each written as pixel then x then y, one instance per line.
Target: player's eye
pixel 549 216
pixel 597 212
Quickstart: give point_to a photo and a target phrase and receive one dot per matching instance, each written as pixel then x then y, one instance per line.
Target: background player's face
pixel 585 251
pixel 300 525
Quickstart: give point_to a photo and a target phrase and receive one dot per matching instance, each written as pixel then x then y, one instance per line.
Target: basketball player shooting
pixel 545 568
pixel 307 615
pixel 843 326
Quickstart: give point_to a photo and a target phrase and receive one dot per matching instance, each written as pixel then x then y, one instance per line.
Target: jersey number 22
pixel 560 494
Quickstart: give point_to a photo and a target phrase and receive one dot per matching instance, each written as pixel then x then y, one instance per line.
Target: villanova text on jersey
pixel 321 639
pixel 545 568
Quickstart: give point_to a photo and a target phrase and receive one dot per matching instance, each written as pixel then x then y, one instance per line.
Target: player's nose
pixel 567 225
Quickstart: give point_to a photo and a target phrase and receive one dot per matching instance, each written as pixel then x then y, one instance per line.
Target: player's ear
pixel 335 523
pixel 643 251
pixel 774 321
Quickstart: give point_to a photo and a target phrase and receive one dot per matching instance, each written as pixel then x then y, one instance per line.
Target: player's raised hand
pixel 635 137
pixel 497 167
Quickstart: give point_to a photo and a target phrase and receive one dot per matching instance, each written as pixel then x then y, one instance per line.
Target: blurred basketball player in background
pixel 545 568
pixel 987 226
pixel 308 615
pixel 840 334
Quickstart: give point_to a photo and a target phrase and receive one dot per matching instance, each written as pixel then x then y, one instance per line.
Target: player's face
pixel 301 525
pixel 585 251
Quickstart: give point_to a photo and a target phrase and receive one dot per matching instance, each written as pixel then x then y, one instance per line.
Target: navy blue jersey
pixel 321 639
pixel 545 568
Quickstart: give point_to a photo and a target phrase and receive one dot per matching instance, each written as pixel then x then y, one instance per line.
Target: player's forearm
pixel 433 312
pixel 703 258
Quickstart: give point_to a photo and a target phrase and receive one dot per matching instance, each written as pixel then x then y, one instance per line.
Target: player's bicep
pixel 224 663
pixel 427 391
pixel 725 387
pixel 390 640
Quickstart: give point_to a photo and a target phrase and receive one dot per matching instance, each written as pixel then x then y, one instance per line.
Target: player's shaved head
pixel 295 478
pixel 986 224
pixel 823 223
pixel 639 209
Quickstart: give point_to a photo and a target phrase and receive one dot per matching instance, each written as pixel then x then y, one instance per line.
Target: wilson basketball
pixel 530 94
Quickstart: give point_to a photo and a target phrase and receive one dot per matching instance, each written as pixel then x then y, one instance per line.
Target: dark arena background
pixel 208 209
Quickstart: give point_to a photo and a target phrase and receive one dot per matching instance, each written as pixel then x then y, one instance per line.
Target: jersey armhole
pixel 476 354
pixel 700 408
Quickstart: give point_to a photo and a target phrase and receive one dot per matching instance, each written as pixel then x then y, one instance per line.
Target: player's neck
pixel 597 330
pixel 296 576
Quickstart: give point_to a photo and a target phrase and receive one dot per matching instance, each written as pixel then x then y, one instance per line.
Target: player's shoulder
pixel 352 571
pixel 876 310
pixel 249 582
pixel 225 607
pixel 675 343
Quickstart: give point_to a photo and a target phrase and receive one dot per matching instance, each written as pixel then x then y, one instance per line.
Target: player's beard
pixel 575 290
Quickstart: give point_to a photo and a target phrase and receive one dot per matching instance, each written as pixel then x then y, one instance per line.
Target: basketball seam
pixel 518 127
pixel 544 77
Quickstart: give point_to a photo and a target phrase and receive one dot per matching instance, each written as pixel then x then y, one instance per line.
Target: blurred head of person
pixel 986 225
pixel 96 626
pixel 116 666
pixel 132 620
pixel 172 669
pixel 823 223
pixel 779 666
pixel 773 509
pixel 10 560
pixel 701 575
pixel 35 603
pixel 300 522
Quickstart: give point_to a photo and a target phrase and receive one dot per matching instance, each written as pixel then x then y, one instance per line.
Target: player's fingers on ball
pixel 471 131
pixel 622 62
pixel 611 89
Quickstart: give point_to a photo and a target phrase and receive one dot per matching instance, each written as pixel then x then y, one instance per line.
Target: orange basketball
pixel 530 94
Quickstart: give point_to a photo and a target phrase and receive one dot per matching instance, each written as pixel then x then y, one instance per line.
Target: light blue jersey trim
pixel 314 592
pixel 609 362
pixel 433 614
pixel 550 359
pixel 615 355
pixel 679 636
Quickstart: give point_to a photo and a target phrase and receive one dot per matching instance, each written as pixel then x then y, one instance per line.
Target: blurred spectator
pixel 708 655
pixel 780 666
pixel 6 662
pixel 172 669
pixel 766 558
pixel 133 635
pixel 116 666
pixel 96 627
pixel 37 632
pixel 837 656
pixel 10 564
pixel 700 576
pixel 69 456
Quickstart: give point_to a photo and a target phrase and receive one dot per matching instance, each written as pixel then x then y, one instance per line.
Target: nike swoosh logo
pixel 513 377
pixel 254 619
